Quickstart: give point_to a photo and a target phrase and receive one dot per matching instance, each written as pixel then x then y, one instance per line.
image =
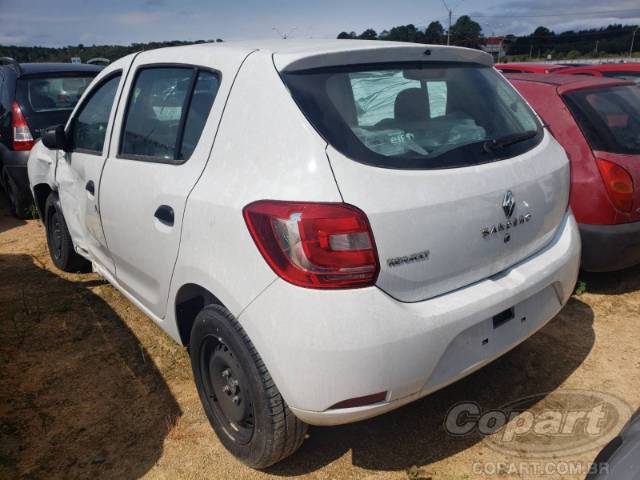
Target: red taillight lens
pixel 315 245
pixel 22 139
pixel 619 184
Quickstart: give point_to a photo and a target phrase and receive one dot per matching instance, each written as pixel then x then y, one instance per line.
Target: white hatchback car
pixel 333 228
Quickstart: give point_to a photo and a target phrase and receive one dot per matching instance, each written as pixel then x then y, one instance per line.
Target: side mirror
pixel 54 138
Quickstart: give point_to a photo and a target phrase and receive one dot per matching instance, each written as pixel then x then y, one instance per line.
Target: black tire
pixel 59 240
pixel 256 426
pixel 19 203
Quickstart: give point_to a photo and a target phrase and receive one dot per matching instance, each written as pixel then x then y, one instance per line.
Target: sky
pixel 71 22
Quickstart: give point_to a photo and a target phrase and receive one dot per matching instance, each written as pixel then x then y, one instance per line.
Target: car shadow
pixel 612 283
pixel 79 396
pixel 414 435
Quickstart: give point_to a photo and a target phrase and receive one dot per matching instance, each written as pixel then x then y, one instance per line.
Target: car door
pixel 78 170
pixel 166 135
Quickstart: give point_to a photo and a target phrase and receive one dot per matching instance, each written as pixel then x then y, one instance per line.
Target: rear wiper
pixel 508 140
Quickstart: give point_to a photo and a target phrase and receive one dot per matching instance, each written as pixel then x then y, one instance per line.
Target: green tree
pixel 368 34
pixel 346 36
pixel 466 32
pixel 434 33
pixel 405 33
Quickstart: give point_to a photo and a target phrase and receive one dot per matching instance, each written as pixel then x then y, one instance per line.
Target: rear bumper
pixel 607 248
pixel 323 347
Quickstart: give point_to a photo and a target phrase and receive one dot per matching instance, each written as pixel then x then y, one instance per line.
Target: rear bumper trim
pixel 608 248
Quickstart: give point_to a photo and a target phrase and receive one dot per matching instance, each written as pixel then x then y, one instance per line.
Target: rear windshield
pixel 52 93
pixel 633 76
pixel 608 117
pixel 417 115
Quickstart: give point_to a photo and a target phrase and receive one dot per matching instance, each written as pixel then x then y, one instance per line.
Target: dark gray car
pixel 620 458
pixel 33 96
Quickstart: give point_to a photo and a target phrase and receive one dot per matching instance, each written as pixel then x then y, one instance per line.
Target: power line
pixel 559 14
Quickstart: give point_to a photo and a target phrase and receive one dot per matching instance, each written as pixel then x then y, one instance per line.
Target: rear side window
pixel 89 126
pixel 48 94
pixel 168 108
pixel 416 115
pixel 608 117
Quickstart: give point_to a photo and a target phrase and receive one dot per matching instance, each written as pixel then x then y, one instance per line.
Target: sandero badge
pixel 508 207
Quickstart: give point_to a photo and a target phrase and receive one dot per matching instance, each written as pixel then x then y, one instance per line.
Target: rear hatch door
pixel 457 176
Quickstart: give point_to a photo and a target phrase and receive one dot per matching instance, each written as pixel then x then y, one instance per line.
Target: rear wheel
pixel 19 203
pixel 239 397
pixel 59 240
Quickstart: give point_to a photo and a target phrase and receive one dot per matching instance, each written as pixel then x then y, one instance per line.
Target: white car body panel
pixel 42 165
pixel 444 211
pixel 75 170
pixel 145 250
pixel 363 341
pixel 323 347
pixel 237 175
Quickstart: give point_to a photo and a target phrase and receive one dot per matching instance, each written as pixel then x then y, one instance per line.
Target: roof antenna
pixel 286 35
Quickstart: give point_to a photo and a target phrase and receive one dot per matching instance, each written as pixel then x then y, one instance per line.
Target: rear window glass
pixel 416 115
pixel 167 111
pixel 633 76
pixel 608 117
pixel 48 94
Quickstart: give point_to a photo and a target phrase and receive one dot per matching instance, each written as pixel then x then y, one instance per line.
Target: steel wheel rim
pixel 55 235
pixel 227 390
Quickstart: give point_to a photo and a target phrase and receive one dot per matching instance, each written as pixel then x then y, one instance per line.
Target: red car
pixel 597 121
pixel 528 67
pixel 630 71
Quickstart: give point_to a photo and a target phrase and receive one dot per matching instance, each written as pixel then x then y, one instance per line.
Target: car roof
pixel 291 53
pixel 608 67
pixel 37 68
pixel 567 83
pixel 530 65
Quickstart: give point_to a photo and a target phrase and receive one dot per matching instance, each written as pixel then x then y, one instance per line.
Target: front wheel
pixel 239 397
pixel 59 240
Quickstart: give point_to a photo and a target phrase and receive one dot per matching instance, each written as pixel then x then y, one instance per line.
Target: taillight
pixel 22 139
pixel 619 184
pixel 315 245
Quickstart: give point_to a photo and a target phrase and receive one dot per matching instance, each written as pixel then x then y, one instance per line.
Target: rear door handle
pixel 164 213
pixel 90 187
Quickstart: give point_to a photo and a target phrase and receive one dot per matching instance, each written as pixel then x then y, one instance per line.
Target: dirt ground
pixel 89 387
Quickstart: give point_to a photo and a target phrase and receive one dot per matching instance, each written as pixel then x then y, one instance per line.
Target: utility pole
pixel 633 37
pixel 450 11
pixel 531 51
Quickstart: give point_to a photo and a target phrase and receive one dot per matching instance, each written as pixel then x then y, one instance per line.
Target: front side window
pixel 608 117
pixel 167 111
pixel 89 127
pixel 416 115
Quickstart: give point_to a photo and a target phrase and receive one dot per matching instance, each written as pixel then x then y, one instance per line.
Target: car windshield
pixel 52 93
pixel 416 115
pixel 609 117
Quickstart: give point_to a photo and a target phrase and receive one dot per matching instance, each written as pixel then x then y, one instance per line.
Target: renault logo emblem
pixel 508 204
pixel 512 221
